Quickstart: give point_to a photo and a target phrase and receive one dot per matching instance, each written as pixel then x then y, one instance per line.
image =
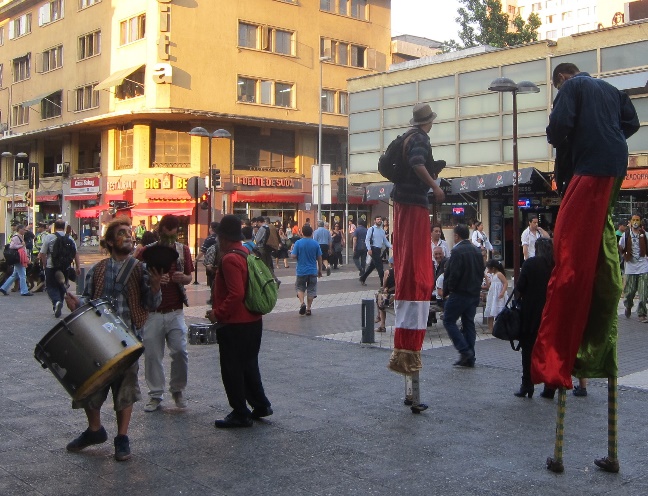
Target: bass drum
pixel 88 348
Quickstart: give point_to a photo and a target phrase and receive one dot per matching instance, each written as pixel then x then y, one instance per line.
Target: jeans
pixel 376 263
pixel 360 259
pixel 161 328
pixel 461 306
pixel 19 272
pixel 55 290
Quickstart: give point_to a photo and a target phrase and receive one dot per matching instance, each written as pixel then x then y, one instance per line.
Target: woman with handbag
pixel 531 289
pixel 20 266
pixel 338 244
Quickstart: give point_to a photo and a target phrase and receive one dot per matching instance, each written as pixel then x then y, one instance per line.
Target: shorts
pixel 125 390
pixel 307 284
pixel 325 252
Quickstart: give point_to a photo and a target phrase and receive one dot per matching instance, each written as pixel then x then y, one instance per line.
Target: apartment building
pixel 102 94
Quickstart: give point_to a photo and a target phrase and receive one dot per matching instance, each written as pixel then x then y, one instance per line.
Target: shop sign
pixel 121 185
pixel 20 205
pixel 272 182
pixel 84 185
pixel 164 182
pixel 163 72
pixel 551 201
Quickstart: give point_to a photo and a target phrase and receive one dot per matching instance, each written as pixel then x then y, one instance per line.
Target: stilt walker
pixel 578 335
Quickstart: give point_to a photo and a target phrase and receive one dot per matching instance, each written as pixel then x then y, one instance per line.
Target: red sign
pixel 274 182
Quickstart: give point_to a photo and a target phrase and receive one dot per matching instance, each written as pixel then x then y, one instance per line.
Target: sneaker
pixel 579 391
pixel 87 438
pixel 302 309
pixel 179 399
pixel 233 421
pixel 153 404
pixel 362 281
pixel 628 312
pixel 122 448
pixel 28 293
pixel 4 292
pixel 58 306
pixel 258 413
pixel 328 270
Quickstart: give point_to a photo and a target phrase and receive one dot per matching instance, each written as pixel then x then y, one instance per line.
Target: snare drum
pixel 202 334
pixel 88 349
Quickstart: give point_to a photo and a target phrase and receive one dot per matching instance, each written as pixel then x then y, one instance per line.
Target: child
pixel 496 298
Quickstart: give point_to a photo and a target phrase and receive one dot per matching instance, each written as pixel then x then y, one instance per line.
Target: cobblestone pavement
pixel 339 425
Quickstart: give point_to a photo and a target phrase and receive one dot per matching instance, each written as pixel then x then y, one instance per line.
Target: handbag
pixel 508 323
pixel 11 255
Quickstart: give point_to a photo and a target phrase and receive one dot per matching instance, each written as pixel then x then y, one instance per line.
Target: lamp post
pixel 13 176
pixel 506 85
pixel 219 133
pixel 319 143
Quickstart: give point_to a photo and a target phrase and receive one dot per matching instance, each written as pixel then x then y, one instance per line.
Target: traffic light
pixel 205 201
pixel 216 178
pixel 342 190
pixel 33 176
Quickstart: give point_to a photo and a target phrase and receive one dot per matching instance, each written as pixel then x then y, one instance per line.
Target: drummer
pixel 141 293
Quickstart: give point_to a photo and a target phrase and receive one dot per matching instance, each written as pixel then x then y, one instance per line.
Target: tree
pixel 483 23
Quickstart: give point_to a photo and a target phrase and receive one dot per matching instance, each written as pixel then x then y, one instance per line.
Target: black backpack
pixel 391 163
pixel 11 255
pixel 63 252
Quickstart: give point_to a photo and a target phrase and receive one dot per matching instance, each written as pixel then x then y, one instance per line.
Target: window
pixel 550 19
pixel 266 38
pixel 566 16
pixel 86 97
pixel 335 102
pixel 172 149
pixel 535 7
pixel 273 149
pixel 343 53
pixel 567 31
pixel 20 26
pixel 552 35
pixel 359 9
pixel 89 45
pixel 133 85
pixel 328 101
pixel 22 68
pixel 87 3
pixel 357 56
pixel 1 36
pixel 52 58
pixel 132 29
pixel 327 5
pixel 352 8
pixel 343 105
pixel 283 94
pixel 246 90
pixel 125 149
pixel 584 12
pixel 51 106
pixel 1 79
pixel 19 115
pixel 50 12
pixel 266 92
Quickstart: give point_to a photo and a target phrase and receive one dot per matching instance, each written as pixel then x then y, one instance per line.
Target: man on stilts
pixel 578 335
pixel 412 252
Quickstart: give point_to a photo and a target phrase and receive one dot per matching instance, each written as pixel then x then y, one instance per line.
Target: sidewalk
pixel 339 425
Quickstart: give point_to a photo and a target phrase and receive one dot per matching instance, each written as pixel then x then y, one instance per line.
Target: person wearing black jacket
pixel 462 281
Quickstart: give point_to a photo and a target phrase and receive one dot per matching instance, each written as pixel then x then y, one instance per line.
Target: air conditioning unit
pixel 6 133
pixel 60 168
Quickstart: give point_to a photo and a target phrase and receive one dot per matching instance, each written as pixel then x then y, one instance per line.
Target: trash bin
pixel 367 321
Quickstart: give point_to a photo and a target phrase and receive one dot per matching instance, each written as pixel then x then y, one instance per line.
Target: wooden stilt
pixel 611 462
pixel 555 464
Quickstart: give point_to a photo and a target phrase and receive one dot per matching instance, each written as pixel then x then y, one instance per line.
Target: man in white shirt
pixel 531 235
pixel 634 247
pixel 375 240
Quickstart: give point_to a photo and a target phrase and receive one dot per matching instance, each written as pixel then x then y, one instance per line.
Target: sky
pixel 433 19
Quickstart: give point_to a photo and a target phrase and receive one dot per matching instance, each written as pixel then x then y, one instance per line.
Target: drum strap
pixel 123 275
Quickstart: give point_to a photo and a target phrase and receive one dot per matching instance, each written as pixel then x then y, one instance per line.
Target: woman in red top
pixel 238 331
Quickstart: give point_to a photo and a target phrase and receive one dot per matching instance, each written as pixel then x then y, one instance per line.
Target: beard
pixel 123 249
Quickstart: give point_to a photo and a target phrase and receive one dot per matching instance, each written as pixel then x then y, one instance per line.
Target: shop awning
pixel 268 197
pixel 490 181
pixel 126 195
pixel 378 191
pixel 116 78
pixel 46 197
pixel 93 196
pixel 162 208
pixel 636 179
pixel 91 212
pixel 169 194
pixel 38 99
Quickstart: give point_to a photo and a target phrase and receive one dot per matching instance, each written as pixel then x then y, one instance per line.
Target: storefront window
pixel 172 149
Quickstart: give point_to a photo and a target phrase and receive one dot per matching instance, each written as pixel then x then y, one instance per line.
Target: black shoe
pixel 28 293
pixel 554 466
pixel 524 391
pixel 302 309
pixel 258 413
pixel 232 421
pixel 4 292
pixel 579 391
pixel 362 281
pixel 548 393
pixel 465 361
pixel 87 438
pixel 328 270
pixel 421 407
pixel 58 306
pixel 122 448
pixel 607 464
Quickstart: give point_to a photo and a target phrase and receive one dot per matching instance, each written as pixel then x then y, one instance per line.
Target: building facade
pixel 474 128
pixel 102 94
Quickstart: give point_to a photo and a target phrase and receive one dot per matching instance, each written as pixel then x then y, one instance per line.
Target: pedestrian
pixel 238 332
pixel 282 252
pixel 463 276
pixel 309 267
pixel 375 241
pixel 166 324
pixel 337 237
pixel 324 239
pixel 438 267
pixel 267 241
pixel 210 240
pixel 633 245
pixel 140 295
pixel 412 254
pixel 359 246
pixel 385 296
pixel 56 255
pixel 585 285
pixel 19 268
pixel 480 240
pixel 437 239
pixel 140 230
pixel 497 287
pixel 530 235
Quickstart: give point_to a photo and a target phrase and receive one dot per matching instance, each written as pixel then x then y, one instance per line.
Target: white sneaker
pixel 179 399
pixel 152 405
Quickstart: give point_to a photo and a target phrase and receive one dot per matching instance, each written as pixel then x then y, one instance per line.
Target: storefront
pixel 84 194
pixel 633 197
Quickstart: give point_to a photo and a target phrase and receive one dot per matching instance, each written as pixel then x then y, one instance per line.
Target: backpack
pixel 391 163
pixel 63 252
pixel 262 289
pixel 11 255
pixel 272 237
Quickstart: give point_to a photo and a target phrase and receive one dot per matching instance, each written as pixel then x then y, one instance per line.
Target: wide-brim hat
pixel 422 114
pixel 230 228
pixel 160 257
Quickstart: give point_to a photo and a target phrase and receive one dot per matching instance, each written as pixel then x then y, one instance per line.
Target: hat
pixel 230 228
pixel 160 257
pixel 422 114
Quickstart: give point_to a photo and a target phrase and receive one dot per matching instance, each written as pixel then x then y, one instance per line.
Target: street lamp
pixel 319 142
pixel 219 133
pixel 13 175
pixel 506 85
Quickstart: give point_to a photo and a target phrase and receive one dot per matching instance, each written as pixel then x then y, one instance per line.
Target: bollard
pixel 80 282
pixel 367 321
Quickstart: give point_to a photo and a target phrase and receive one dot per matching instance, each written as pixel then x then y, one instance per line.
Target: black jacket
pixel 464 270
